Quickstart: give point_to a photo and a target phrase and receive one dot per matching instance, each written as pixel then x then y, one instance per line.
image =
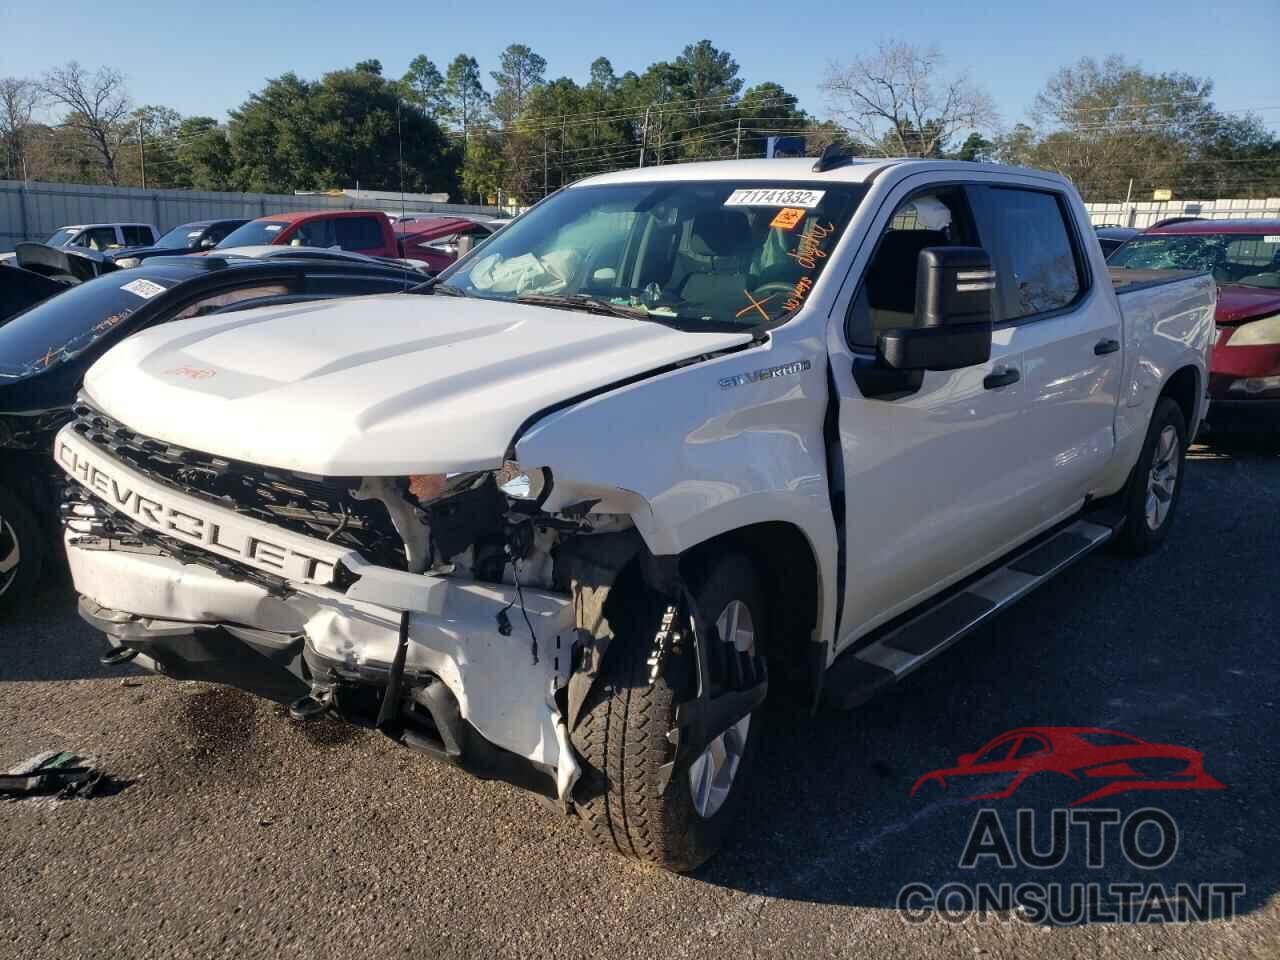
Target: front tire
pixel 1151 497
pixel 22 550
pixel 622 734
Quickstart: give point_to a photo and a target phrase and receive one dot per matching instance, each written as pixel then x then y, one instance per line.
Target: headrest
pixel 720 233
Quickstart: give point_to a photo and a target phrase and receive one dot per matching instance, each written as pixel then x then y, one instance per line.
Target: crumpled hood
pixel 373 386
pixel 1238 302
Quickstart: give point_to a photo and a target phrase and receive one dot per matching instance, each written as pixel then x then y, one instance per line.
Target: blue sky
pixel 204 59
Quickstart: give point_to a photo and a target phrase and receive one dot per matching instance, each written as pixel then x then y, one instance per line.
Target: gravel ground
pixel 241 834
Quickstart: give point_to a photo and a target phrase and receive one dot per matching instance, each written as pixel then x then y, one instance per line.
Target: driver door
pixel 934 486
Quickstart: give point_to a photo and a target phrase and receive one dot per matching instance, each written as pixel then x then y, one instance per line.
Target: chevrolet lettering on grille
pixel 193 521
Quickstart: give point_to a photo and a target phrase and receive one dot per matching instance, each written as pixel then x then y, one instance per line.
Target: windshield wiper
pixel 585 301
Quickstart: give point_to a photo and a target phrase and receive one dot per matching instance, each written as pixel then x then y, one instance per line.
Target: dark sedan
pixel 46 351
pixel 188 238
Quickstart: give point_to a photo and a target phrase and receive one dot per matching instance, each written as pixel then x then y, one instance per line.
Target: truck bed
pixel 1127 281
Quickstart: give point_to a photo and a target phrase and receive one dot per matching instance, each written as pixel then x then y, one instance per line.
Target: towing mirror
pixel 955 289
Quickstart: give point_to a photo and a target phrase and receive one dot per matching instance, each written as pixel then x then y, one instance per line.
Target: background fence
pixel 1145 213
pixel 33 211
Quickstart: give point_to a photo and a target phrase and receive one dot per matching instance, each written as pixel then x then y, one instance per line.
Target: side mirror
pixel 955 287
pixel 463 246
pixel 207 243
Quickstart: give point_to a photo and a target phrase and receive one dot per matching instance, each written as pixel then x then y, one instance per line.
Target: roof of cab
pixel 800 169
pixel 296 215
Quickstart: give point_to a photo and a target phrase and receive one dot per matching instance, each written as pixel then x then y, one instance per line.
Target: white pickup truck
pixel 675 437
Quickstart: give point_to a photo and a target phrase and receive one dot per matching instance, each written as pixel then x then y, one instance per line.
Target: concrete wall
pixel 33 211
pixel 1145 213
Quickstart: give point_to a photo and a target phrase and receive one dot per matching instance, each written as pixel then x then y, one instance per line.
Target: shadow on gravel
pixel 1174 648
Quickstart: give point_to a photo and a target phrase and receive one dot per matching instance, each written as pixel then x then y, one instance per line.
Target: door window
pixel 136 236
pixel 995 754
pixel 358 233
pixel 314 233
pixel 1041 264
pixel 939 217
pixel 99 238
pixel 1030 747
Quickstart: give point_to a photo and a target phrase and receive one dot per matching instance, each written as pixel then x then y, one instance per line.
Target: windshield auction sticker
pixel 787 218
pixel 143 288
pixel 808 199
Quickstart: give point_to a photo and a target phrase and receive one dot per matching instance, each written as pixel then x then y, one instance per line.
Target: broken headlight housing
pixel 520 483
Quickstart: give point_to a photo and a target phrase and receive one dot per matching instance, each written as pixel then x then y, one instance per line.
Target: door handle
pixel 1103 347
pixel 1002 378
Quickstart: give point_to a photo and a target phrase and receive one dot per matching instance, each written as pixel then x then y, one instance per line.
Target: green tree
pixel 464 90
pixel 204 156
pixel 337 132
pixel 520 72
pixel 425 87
pixel 976 147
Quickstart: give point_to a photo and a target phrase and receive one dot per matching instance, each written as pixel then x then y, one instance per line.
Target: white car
pixel 99 237
pixel 675 436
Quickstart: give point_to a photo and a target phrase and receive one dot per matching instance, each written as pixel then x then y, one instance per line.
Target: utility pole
pixel 737 142
pixel 644 133
pixel 142 155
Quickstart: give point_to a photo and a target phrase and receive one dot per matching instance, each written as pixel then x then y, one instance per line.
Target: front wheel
pixel 22 549
pixel 1156 483
pixel 641 795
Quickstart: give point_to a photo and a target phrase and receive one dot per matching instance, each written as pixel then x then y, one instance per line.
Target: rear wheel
pixel 632 799
pixel 1151 497
pixel 22 550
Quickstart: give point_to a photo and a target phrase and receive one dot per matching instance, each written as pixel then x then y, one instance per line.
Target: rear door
pixel 1067 333
pixel 360 234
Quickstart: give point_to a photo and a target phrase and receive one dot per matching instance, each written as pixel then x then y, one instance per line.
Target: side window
pixel 99 238
pixel 338 285
pixel 938 217
pixel 314 233
pixel 358 233
pixel 137 236
pixel 1040 267
pixel 1030 747
pixel 226 298
pixel 997 753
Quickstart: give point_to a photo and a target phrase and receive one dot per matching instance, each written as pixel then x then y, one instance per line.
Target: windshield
pixel 184 237
pixel 62 237
pixel 1252 259
pixel 69 323
pixel 254 233
pixel 692 254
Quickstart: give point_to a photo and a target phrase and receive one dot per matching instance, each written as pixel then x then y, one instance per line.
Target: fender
pixel 705 449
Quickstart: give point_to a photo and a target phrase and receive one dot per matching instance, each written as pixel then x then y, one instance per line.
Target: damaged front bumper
pixel 480 689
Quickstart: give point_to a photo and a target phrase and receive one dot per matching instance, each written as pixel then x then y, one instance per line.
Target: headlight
pixel 1257 333
pixel 124 263
pixel 1255 385
pixel 521 484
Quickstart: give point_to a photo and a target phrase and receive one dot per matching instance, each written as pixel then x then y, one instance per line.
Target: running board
pixel 856 677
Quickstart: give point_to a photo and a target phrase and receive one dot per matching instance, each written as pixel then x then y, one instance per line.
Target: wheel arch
pixel 1185 389
pixel 787 565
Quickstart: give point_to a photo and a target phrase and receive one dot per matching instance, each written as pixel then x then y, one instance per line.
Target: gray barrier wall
pixel 33 211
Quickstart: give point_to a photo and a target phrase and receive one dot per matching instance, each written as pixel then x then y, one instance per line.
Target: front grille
pixel 320 507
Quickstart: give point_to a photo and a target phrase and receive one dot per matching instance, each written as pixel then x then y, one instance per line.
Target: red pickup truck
pixel 361 231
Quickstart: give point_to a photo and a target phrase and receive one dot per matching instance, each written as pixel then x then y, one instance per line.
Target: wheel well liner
pixel 787 565
pixel 1183 388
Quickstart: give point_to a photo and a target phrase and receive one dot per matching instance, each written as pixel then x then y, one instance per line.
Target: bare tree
pixel 98 105
pixel 897 101
pixel 18 100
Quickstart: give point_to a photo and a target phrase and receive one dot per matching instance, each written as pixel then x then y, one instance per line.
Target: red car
pixel 1117 762
pixel 1244 257
pixel 434 240
pixel 360 231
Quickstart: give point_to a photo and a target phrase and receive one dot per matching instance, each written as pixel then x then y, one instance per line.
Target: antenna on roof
pixel 833 156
